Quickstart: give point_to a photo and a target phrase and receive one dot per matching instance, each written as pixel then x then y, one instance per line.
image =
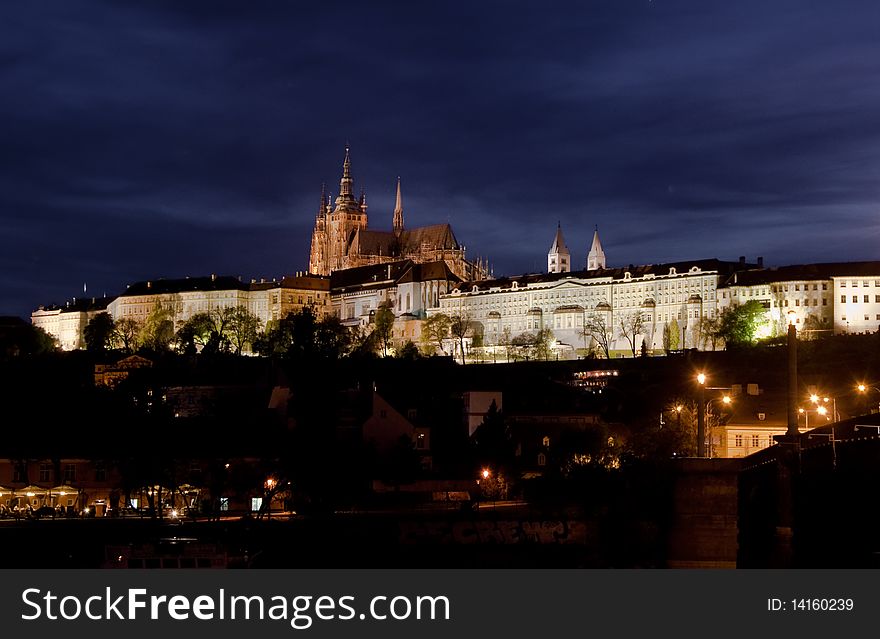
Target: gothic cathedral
pixel 342 240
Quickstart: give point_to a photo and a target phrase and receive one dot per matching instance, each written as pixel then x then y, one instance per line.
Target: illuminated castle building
pixel 341 238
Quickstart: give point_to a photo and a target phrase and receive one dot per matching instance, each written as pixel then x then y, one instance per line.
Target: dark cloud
pixel 170 138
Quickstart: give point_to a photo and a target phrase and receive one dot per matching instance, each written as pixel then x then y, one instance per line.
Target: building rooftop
pixel 801 272
pixel 707 265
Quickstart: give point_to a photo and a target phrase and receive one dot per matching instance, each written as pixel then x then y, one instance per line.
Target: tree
pixel 158 329
pixel 671 335
pixel 739 324
pixel 504 341
pixel 409 351
pixel 383 326
pixel 460 327
pixel 332 338
pixel 493 441
pixel 98 333
pixel 195 332
pixel 125 334
pixel 710 331
pixel 815 327
pixel 523 343
pixel 543 339
pixel 597 327
pixel 243 328
pixel 435 329
pixel 630 327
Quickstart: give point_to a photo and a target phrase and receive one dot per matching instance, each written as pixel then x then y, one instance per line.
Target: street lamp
pixel 726 400
pixel 819 401
pixel 701 416
pixel 864 388
pixel 270 484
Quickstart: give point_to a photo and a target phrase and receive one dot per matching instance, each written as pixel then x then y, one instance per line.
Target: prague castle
pixel 342 240
pixel 354 270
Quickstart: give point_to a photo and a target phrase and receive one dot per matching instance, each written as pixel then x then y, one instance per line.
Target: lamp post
pixel 726 400
pixel 864 388
pixel 701 416
pixel 270 483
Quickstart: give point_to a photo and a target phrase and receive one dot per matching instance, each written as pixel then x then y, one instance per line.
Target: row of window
pixel 854 284
pixel 855 299
pixel 784 303
pixel 756 441
pixel 46 472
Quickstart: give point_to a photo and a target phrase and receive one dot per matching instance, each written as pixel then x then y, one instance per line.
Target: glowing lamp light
pixel 701 378
pixel 678 408
pixel 861 388
pixel 814 398
pixel 801 411
pixel 485 473
pixel 31 494
pixel 174 513
pixel 726 399
pixel 822 410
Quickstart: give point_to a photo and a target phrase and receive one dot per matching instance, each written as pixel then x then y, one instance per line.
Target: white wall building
pixel 684 292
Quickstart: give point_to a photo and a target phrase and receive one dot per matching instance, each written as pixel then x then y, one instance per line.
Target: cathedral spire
pixel 596 256
pixel 322 208
pixel 558 257
pixel 398 210
pixel 363 201
pixel 346 183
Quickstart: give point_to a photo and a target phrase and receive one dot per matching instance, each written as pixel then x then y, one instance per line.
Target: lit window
pixel 855 299
pixel 738 440
pixel 756 441
pixel 843 299
pixel 45 472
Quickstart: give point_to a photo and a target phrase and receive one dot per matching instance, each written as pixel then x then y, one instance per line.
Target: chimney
pixel 760 262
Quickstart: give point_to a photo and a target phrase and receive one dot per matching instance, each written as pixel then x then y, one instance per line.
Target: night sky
pixel 187 138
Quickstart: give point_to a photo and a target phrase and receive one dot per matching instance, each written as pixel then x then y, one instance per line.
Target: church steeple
pixel 559 257
pixel 596 256
pixel 346 183
pixel 322 207
pixel 398 210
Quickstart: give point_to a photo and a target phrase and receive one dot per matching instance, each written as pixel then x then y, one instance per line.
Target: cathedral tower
pixel 398 211
pixel 347 216
pixel 559 257
pixel 596 256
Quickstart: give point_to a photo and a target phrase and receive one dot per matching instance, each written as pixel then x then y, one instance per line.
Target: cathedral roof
pixel 388 274
pixel 435 236
pixel 370 242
